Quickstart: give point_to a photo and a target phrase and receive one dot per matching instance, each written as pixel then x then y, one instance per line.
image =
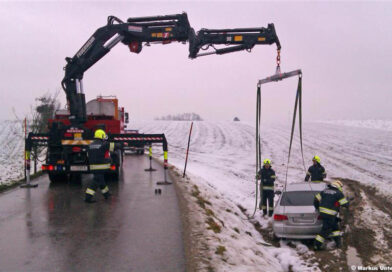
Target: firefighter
pixel 328 203
pixel 316 172
pixel 267 177
pixel 99 159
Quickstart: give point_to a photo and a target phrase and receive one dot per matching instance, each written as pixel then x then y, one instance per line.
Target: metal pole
pixel 35 160
pixel 77 84
pixel 27 172
pixel 187 150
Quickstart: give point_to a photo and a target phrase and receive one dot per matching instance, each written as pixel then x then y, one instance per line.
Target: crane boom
pixel 239 38
pixel 134 32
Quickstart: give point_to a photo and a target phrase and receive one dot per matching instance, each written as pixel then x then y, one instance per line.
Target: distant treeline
pixel 181 117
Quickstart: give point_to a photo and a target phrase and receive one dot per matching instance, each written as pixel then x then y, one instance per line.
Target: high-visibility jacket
pixel 99 154
pixel 267 177
pixel 329 201
pixel 316 172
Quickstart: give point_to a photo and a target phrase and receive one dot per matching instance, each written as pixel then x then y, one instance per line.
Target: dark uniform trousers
pixel 98 181
pixel 330 228
pixel 267 196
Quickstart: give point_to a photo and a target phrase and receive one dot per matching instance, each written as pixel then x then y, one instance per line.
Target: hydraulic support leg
pixel 165 182
pixel 150 158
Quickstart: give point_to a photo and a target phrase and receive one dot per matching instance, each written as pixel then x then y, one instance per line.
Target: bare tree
pixel 44 109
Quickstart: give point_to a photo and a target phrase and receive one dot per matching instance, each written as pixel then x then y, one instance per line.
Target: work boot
pixel 107 195
pixel 317 245
pixel 270 213
pixel 338 242
pixel 89 199
pixel 264 212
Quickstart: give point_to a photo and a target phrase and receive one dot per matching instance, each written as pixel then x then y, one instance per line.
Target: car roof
pixel 305 186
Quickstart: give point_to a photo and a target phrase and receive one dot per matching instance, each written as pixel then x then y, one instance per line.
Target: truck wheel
pixel 113 176
pixel 116 174
pixel 57 178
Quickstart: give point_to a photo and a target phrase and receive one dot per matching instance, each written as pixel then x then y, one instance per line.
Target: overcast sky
pixel 343 49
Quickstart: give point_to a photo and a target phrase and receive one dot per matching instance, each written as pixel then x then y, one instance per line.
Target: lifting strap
pixel 258 147
pixel 298 104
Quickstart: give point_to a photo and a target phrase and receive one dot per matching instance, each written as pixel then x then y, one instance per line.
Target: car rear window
pixel 298 198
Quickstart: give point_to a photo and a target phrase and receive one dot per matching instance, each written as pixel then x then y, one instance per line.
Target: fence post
pixel 187 150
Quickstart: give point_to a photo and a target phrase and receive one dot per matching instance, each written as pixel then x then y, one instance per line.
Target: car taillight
pixel 113 167
pixel 50 167
pixel 44 167
pixel 68 135
pixel 280 217
pixel 76 149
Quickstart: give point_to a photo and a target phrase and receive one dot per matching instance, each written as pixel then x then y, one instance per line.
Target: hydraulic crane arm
pixel 240 38
pixel 155 29
pixel 162 29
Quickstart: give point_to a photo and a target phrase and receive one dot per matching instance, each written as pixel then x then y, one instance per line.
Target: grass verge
pixel 16 183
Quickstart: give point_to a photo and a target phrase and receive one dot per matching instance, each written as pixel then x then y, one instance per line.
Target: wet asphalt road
pixel 50 228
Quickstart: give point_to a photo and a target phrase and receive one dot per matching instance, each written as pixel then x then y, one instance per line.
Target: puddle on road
pixel 352 257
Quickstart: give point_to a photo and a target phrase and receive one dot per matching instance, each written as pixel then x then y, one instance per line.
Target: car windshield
pixel 298 198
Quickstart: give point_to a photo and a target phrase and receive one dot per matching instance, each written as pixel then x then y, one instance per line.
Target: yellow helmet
pixel 317 159
pixel 337 184
pixel 267 161
pixel 100 134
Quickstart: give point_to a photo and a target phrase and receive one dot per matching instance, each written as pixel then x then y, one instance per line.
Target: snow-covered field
pixel 223 153
pixel 222 164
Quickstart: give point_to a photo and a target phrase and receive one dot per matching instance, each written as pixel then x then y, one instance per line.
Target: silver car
pixel 294 215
